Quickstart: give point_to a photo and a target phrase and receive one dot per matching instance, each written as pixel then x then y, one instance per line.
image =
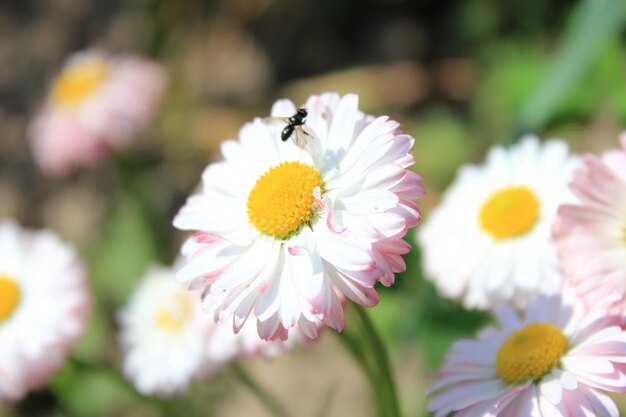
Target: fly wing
pixel 300 137
pixel 275 120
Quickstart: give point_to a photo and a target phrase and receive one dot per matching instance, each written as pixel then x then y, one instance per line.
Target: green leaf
pixel 597 23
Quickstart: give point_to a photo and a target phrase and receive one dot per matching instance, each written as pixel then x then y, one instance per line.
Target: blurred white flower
pixel 168 340
pixel 98 103
pixel 44 301
pixel 489 239
pixel 285 234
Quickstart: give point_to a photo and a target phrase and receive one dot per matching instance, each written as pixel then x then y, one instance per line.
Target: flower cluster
pixel 309 211
pixel 544 232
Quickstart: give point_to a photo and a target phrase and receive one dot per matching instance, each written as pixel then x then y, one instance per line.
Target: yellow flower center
pixel 10 296
pixel 175 312
pixel 78 81
pixel 281 201
pixel 530 353
pixel 510 212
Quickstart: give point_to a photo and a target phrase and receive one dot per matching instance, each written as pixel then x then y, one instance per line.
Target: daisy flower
pixel 556 360
pixel 285 233
pixel 489 239
pixel 44 301
pixel 164 335
pixel 168 340
pixel 98 103
pixel 591 235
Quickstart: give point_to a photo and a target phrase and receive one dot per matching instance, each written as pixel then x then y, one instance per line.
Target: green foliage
pixel 442 144
pixel 597 24
pixel 127 248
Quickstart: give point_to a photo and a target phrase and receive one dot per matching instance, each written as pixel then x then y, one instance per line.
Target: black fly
pixel 294 121
pixel 295 124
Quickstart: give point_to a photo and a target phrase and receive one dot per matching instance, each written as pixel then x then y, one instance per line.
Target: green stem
pixel 369 351
pixel 385 387
pixel 354 346
pixel 263 395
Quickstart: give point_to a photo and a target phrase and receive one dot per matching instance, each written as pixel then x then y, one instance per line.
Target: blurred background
pixel 459 75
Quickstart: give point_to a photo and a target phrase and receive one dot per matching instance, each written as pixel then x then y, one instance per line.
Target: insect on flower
pixel 295 124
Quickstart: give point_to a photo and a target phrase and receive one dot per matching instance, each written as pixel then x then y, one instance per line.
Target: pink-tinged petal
pixel 410 188
pixel 585 365
pixel 386 177
pixel 206 262
pixel 389 224
pixel 367 297
pixel 453 378
pixel 309 328
pixel 602 404
pixel 357 172
pixel 335 318
pixel 289 308
pixel 609 341
pixel 330 220
pixel 245 304
pixel 270 329
pixel 267 304
pixel 245 268
pixel 464 395
pixel 343 254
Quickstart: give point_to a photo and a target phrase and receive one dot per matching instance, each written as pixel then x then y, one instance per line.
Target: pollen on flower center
pixel 281 201
pixel 530 353
pixel 10 295
pixel 172 315
pixel 510 212
pixel 78 81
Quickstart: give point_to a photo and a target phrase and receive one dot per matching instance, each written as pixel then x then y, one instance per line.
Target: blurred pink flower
pixel 44 301
pixel 557 359
pixel 98 103
pixel 284 233
pixel 591 235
